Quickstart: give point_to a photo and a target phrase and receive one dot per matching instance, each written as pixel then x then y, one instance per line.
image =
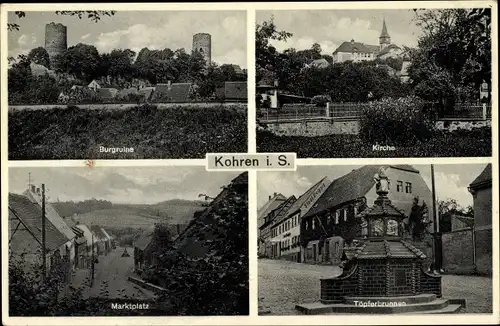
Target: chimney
pixel 33 188
pixel 352 41
pixel 269 197
pixel 38 191
pixel 275 194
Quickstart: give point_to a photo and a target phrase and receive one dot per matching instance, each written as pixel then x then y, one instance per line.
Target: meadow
pixel 169 132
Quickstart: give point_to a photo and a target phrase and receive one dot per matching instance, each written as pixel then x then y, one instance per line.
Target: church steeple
pixel 384 38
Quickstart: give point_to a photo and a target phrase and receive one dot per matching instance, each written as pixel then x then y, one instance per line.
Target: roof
pixel 72 224
pixel 98 232
pixel 351 186
pixel 384 30
pixel 87 233
pixel 278 213
pixel 382 207
pixel 38 70
pixel 388 249
pixel 388 48
pixel 271 204
pixel 353 46
pixel 235 90
pixel 22 208
pixel 107 93
pixel 52 215
pixel 302 199
pixel 104 83
pixel 106 234
pixel 319 63
pixel 177 92
pixel 483 180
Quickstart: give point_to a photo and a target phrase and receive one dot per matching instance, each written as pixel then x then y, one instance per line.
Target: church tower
pixel 384 39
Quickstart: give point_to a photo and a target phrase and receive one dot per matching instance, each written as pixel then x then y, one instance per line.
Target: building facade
pixel 332 222
pixel 357 51
pixel 265 237
pixel 285 232
pixel 480 189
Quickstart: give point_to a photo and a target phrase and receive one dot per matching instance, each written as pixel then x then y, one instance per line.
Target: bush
pixel 399 121
pixel 321 100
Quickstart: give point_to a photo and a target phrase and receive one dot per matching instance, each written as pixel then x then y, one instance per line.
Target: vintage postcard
pixel 126 84
pixel 413 82
pixel 351 239
pixel 150 241
pixel 269 163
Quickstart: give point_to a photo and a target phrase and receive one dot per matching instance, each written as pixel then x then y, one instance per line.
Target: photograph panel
pixel 126 84
pixel 375 239
pixel 128 241
pixel 374 83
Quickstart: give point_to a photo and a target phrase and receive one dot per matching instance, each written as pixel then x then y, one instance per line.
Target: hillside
pixel 174 211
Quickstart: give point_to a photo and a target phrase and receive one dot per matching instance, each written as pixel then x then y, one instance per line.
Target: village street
pixel 284 284
pixel 111 273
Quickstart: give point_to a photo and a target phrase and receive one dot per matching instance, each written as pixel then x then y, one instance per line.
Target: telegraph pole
pixel 92 262
pixel 44 251
pixel 437 246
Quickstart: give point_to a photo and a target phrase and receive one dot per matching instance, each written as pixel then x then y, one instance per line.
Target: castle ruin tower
pixel 384 39
pixel 202 43
pixel 56 41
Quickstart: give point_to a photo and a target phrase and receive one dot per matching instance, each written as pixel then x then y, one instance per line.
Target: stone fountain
pixel 384 273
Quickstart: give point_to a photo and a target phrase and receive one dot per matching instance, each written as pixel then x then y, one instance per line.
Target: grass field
pixel 173 132
pixel 463 143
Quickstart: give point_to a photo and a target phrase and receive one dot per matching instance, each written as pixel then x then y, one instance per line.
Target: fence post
pixel 327 109
pixel 484 111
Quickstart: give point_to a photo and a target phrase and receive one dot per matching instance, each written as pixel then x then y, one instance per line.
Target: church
pixel 356 51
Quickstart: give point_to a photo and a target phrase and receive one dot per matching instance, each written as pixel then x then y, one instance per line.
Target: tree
pixel 266 55
pixel 455 45
pixel 120 63
pixel 93 15
pixel 448 208
pixel 83 61
pixel 39 56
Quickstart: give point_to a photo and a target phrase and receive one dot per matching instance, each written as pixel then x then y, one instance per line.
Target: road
pixel 111 273
pixel 283 284
pixel 120 106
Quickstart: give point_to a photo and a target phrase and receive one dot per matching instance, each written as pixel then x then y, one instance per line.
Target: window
pixel 408 188
pixel 337 213
pixel 313 224
pixel 345 214
pixel 399 187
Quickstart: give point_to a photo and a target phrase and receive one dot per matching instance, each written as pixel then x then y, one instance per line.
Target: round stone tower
pixel 202 43
pixel 56 37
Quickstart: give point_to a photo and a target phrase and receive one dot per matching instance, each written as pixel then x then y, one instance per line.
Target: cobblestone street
pixel 284 284
pixel 111 273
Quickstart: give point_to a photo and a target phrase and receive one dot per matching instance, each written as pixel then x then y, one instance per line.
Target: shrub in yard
pixel 321 100
pixel 398 121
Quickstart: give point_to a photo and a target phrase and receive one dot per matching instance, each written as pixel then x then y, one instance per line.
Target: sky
pixel 138 29
pixel 451 180
pixel 129 185
pixel 330 28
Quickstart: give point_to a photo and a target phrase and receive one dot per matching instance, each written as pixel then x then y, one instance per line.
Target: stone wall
pixel 458 255
pixel 374 272
pixel 430 283
pixel 467 125
pixel 405 267
pixel 314 127
pixel 334 290
pixel 484 252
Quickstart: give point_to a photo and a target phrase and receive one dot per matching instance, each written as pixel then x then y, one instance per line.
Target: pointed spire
pixel 384 30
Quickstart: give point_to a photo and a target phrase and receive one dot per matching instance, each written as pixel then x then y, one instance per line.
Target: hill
pixel 176 211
